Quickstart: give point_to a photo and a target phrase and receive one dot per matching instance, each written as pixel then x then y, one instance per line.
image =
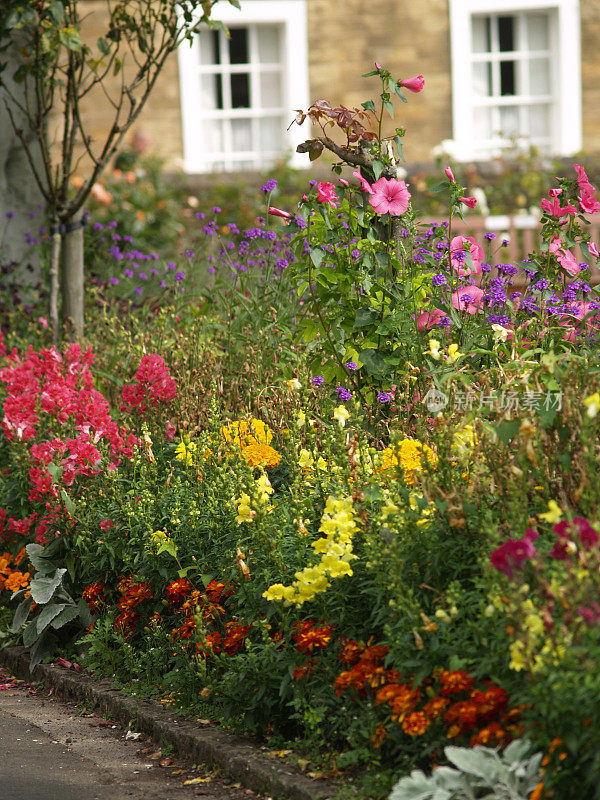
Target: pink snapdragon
pixel 471 202
pixel 449 174
pixel 390 196
pixel 588 203
pixel 277 212
pixel 514 553
pixel 326 193
pixel 415 84
pixel 583 181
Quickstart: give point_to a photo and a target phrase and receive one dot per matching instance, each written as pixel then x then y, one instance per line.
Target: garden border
pixel 239 759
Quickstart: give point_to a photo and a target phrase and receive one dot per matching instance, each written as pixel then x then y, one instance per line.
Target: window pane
pixel 480 33
pixel 482 80
pixel 209 47
pixel 539 76
pixel 268 44
pixel 506 34
pixel 509 121
pixel 270 90
pixel 539 121
pixel 507 78
pixel 538 31
pixel 240 90
pixel 211 91
pixel 238 46
pixel 270 134
pixel 211 136
pixel 482 123
pixel 241 134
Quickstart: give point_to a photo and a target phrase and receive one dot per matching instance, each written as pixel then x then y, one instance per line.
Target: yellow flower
pixel 305 461
pixel 245 512
pixel 294 384
pixel 263 484
pixel 411 455
pixel 553 514
pixel 592 403
pixel 275 592
pixel 184 450
pixel 517 656
pixel 261 455
pixel 301 419
pixel 500 333
pixel 434 349
pixel 243 433
pixel 341 414
pixel 453 354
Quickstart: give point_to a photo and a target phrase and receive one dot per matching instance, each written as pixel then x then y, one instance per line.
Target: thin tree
pixel 58 69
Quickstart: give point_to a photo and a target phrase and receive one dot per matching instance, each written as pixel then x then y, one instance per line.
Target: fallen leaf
pixel 203 721
pixel 176 771
pixel 316 775
pixel 165 762
pixel 132 735
pixel 100 723
pixel 193 781
pixel 303 763
pixel 155 756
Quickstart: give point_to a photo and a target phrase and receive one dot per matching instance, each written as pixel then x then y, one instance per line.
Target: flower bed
pixel 374 532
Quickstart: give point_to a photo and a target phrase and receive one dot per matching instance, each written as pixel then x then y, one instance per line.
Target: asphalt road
pixel 51 750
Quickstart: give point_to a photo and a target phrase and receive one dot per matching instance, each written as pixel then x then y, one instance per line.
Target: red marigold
pixel 217 590
pixel 435 706
pixel 234 637
pixel 404 702
pixel 125 622
pixel 305 669
pixel 415 723
pixel 351 651
pixel 94 596
pixel 177 591
pixel 493 734
pixel 185 630
pixel 314 637
pixel 454 682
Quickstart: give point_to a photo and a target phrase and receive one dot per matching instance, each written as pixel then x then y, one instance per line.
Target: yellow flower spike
pixel 341 414
pixel 434 349
pixel 592 403
pixel 553 514
pixel 301 419
pixel 453 354
pixel 184 450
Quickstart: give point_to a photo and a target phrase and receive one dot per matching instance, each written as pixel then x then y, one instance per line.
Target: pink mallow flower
pixel 593 250
pixel 588 203
pixel 459 247
pixel 514 553
pixel 554 208
pixel 390 196
pixel 414 84
pixel 364 184
pixel 277 212
pixel 471 202
pixel 326 193
pixel 449 174
pixel 468 298
pixel 565 257
pixel 583 181
pixel 427 319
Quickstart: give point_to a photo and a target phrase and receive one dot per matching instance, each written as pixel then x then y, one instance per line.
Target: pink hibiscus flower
pixel 364 185
pixel 427 319
pixel 459 247
pixel 468 298
pixel 326 193
pixel 414 84
pixel 565 257
pixel 390 196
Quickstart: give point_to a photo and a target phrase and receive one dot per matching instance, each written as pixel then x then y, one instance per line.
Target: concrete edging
pixel 239 759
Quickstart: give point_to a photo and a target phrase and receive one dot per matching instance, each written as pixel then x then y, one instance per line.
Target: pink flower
pixel 583 181
pixel 468 298
pixel 344 182
pixel 588 203
pixel 593 250
pixel 468 201
pixel 513 553
pixel 590 614
pixel 555 192
pixel 554 208
pixel 106 524
pixel 377 66
pixel 458 252
pixel 449 174
pixel 43 322
pixel 414 84
pixel 578 526
pixel 390 196
pixel 565 257
pixel 277 212
pixel 326 193
pixel 170 430
pixel 429 318
pixel 364 185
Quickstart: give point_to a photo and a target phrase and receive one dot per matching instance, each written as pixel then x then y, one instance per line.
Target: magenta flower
pixel 326 193
pixel 364 185
pixel 344 182
pixel 390 196
pixel 590 614
pixel 579 526
pixel 459 247
pixel 594 250
pixel 468 298
pixel 414 84
pixel 468 201
pixel 583 181
pixel 554 208
pixel 565 257
pixel 449 174
pixel 428 319
pixel 513 553
pixel 588 203
pixel 277 212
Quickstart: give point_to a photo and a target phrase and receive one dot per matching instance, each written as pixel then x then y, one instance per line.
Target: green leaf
pixel 39 651
pixel 30 633
pixel 378 167
pixel 389 107
pixel 373 362
pixel 84 613
pixel 103 46
pixel 68 614
pixel 55 471
pixel 507 430
pixel 58 12
pixel 364 317
pixel 43 588
pixel 47 614
pixel 439 187
pixel 21 614
pixel 69 504
pixel 39 560
pixel 369 105
pixel 316 256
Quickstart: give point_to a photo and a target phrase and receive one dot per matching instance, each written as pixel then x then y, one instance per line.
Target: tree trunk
pixel 54 280
pixel 72 275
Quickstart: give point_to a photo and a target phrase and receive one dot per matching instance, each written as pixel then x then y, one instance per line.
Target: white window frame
pixel 291 15
pixel 567 134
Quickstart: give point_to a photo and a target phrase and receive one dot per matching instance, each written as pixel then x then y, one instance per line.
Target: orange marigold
pixel 5 560
pixel 454 682
pixel 177 590
pixel 434 707
pixel 16 580
pixel 415 724
pixel 308 639
pixel 378 736
pixel 20 556
pixel 261 455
